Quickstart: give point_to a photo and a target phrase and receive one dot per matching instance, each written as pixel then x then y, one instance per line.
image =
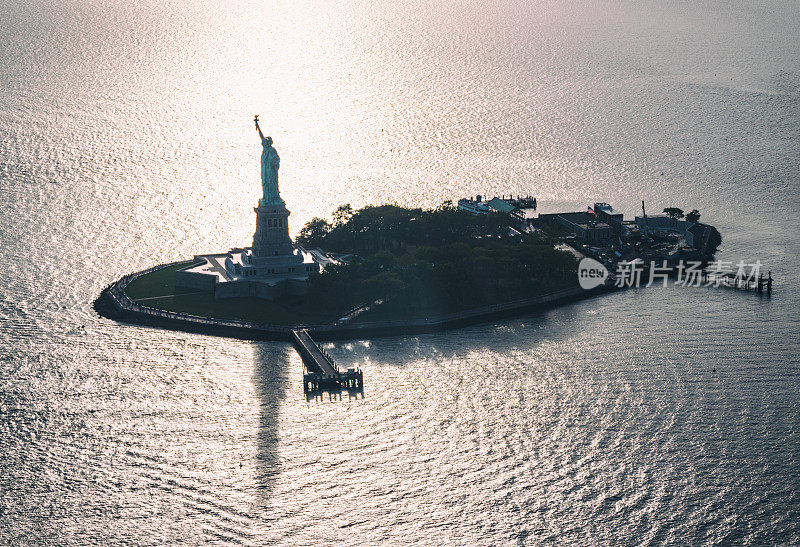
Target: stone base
pixel 239 273
pixel 271 268
pixel 262 288
pixel 271 237
pixel 246 264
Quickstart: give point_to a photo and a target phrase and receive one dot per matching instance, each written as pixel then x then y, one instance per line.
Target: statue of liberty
pixel 269 171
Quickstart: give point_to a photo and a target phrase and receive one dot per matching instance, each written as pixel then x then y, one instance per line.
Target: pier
pixel 762 284
pixel 321 371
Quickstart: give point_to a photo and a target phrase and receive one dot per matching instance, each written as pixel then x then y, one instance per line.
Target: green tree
pixel 673 212
pixel 423 262
pixel 382 285
pixel 314 232
pixel 693 216
pixel 342 214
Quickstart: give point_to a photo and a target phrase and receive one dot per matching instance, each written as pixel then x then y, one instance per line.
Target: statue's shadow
pixel 278 375
pixel 271 377
pixel 275 377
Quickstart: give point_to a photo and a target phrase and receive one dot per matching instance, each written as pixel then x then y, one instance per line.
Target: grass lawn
pixel 158 283
pixel 157 290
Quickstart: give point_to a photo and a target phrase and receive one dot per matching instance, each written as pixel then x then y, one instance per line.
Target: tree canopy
pixel 420 262
pixel 693 216
pixel 673 212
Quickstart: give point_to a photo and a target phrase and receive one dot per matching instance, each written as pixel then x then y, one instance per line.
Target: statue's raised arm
pixel 270 162
pixel 260 134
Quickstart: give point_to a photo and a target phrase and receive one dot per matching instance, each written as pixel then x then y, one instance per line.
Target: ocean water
pixel 653 416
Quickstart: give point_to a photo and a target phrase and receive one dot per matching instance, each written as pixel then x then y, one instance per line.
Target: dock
pixel 762 284
pixel 520 202
pixel 321 372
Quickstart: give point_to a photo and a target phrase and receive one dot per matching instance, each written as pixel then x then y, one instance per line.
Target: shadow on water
pixel 271 379
pixel 523 333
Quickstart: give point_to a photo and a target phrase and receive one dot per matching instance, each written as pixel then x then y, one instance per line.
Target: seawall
pixel 114 304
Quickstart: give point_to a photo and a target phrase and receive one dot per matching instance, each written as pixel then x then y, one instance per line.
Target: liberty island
pixel 373 278
pixel 388 269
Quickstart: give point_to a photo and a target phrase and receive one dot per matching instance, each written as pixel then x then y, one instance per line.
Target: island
pixel 389 269
pixel 380 263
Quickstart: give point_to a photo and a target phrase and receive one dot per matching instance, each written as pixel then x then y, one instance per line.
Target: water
pixel 653 416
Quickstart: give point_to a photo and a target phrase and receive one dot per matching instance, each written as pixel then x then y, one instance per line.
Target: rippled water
pixel 654 416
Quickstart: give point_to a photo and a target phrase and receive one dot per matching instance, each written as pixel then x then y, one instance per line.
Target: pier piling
pixel 322 373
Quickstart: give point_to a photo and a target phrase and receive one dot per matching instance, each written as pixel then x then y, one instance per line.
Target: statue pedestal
pixel 272 268
pixel 272 232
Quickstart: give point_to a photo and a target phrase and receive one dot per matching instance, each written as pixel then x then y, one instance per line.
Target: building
pixel 583 225
pixel 606 213
pixel 662 223
pixel 273 267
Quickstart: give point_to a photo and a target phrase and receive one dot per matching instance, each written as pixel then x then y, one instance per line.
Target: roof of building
pixel 581 218
pixel 607 209
pixel 500 205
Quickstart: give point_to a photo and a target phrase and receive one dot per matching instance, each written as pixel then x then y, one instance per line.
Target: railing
pixel 123 303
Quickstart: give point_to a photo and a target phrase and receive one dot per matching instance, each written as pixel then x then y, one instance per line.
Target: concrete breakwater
pixel 114 304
